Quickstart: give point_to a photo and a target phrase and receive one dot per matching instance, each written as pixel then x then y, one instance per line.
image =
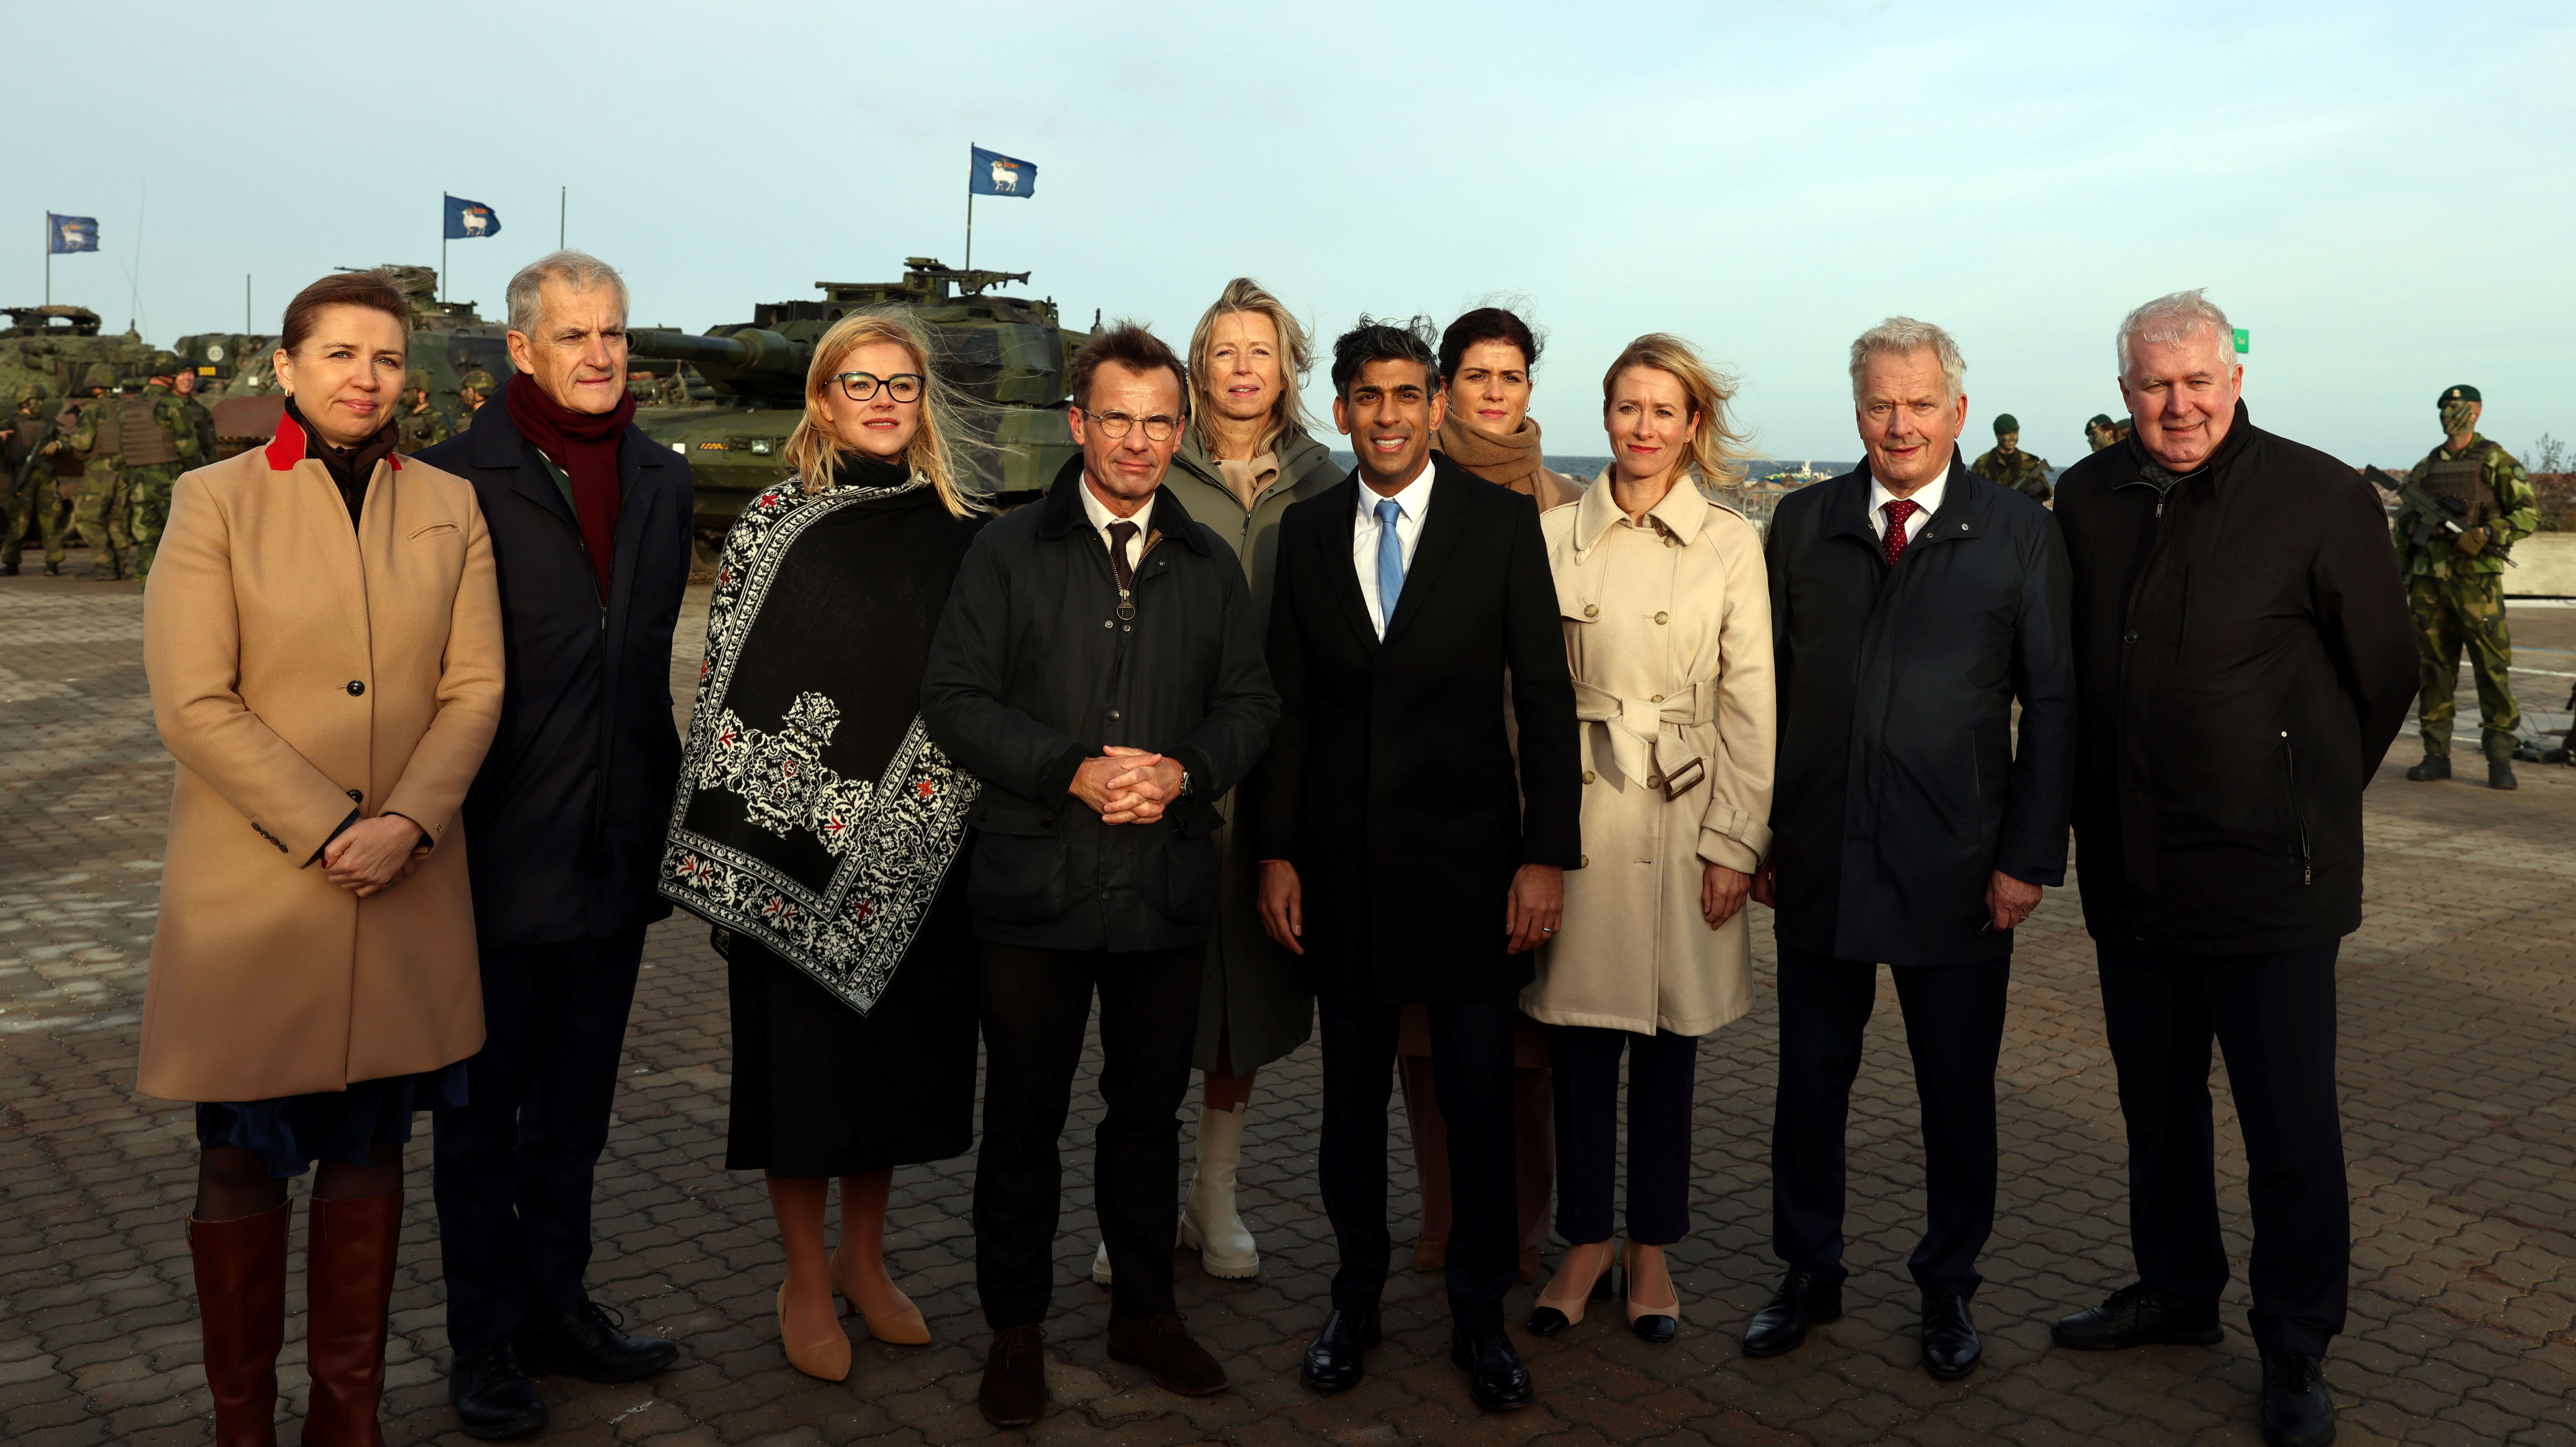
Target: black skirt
pixel 821 1090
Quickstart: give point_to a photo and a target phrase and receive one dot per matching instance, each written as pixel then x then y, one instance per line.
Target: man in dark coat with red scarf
pixel 590 522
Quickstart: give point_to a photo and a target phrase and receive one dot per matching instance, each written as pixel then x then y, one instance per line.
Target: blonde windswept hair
pixel 1715 446
pixel 937 445
pixel 1296 358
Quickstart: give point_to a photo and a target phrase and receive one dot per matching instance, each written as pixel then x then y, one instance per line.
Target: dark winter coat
pixel 1392 785
pixel 1033 670
pixel 1900 789
pixel 2244 658
pixel 568 813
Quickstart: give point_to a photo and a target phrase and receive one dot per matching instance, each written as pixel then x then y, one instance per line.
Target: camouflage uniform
pixel 102 516
pixel 35 497
pixel 474 384
pixel 2015 469
pixel 421 423
pixel 153 464
pixel 2458 600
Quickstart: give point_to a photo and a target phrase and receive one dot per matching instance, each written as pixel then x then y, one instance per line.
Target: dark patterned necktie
pixel 1119 535
pixel 1898 510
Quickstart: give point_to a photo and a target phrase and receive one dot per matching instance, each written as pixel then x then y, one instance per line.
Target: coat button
pixel 1108 622
pixel 1663 617
pixel 355 797
pixel 1113 715
pixel 1591 610
pixel 1654 781
pixel 1658 698
pixel 1587 776
pixel 1583 861
pixel 356 688
pixel 2129 637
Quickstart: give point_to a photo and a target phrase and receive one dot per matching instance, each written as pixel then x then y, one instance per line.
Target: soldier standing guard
pixel 200 421
pixel 472 389
pixel 2101 432
pixel 33 439
pixel 422 424
pixel 100 513
pixel 159 441
pixel 2469 503
pixel 2009 466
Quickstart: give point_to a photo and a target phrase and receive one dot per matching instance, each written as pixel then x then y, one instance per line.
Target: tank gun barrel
pixel 751 354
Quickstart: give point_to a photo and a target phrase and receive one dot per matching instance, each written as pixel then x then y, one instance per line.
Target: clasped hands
pixel 1126 786
pixel 2009 901
pixel 374 854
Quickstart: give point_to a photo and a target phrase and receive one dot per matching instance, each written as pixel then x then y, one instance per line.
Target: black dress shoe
pixel 492 1397
pixel 2296 1410
pixel 1336 1358
pixel 1950 1345
pixel 1014 1392
pixel 589 1345
pixel 2137 1317
pixel 1495 1376
pixel 1803 1300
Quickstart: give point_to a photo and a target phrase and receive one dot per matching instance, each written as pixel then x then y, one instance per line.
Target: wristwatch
pixel 1187 790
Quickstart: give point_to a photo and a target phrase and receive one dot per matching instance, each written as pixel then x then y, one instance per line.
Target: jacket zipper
pixel 2290 774
pixel 2183 630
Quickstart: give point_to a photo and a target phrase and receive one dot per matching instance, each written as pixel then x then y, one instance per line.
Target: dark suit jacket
pixel 568 812
pixel 1391 784
pixel 1900 791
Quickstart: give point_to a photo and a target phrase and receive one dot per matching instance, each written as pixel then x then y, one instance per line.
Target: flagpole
pixel 970 226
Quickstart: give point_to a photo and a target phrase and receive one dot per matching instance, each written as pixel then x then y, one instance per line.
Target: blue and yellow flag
pixel 470 218
pixel 70 233
pixel 990 173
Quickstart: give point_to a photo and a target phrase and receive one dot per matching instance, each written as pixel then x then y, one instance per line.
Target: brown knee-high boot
pixel 241 1299
pixel 348 1284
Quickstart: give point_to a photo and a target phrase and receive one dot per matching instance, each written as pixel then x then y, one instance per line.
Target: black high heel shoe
pixel 1547 1320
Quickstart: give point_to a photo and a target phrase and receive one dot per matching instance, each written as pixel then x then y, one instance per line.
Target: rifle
pixel 2435 516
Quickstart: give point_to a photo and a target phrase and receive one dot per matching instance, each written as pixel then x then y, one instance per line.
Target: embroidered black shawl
pixel 813 813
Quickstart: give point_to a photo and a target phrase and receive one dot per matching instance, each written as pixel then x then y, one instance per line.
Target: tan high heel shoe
pixel 1568 1293
pixel 826 1358
pixel 1652 1321
pixel 903 1328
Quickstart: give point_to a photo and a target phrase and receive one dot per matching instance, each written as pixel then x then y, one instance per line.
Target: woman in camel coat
pixel 322 636
pixel 1667 618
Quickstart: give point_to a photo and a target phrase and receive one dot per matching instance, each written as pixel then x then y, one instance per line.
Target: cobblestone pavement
pixel 2459 1071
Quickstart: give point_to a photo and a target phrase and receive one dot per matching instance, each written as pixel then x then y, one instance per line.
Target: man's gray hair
pixel 2170 321
pixel 578 270
pixel 1903 337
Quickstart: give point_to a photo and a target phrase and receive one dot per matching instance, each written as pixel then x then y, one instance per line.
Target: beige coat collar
pixel 1683 512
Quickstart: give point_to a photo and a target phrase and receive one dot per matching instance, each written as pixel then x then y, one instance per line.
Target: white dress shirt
pixel 1101 517
pixel 1412 502
pixel 1926 497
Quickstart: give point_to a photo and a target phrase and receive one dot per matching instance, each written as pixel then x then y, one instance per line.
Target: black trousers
pixel 1036 1003
pixel 2274 1015
pixel 1471 1072
pixel 513 1165
pixel 1954 1028
pixel 1662 1069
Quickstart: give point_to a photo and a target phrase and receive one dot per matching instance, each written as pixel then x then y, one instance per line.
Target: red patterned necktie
pixel 1898 510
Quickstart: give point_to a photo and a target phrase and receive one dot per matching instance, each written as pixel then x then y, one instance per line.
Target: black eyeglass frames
pixel 860 386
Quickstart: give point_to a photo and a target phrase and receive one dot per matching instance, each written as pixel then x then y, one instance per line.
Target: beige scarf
pixel 1513 462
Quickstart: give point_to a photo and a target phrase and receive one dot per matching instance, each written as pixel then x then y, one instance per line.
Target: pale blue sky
pixel 2380 193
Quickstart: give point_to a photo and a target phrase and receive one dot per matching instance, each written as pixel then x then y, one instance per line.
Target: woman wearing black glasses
pixel 815 826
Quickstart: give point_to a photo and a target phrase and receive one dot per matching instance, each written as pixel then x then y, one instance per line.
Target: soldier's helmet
pixel 30 392
pixel 2006 425
pixel 476 380
pixel 100 374
pixel 418 381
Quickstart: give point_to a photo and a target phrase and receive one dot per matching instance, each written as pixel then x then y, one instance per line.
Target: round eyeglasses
pixel 860 386
pixel 1114 425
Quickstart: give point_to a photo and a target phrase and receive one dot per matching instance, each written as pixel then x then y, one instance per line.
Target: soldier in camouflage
pixel 2455 583
pixel 474 389
pixel 2101 432
pixel 160 442
pixel 199 419
pixel 102 515
pixel 421 423
pixel 35 499
pixel 2008 465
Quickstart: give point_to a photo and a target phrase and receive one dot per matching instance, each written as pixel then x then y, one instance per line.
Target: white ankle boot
pixel 1100 1264
pixel 1209 1224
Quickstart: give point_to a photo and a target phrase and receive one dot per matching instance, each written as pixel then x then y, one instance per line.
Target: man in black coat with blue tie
pixel 1912 604
pixel 1407 856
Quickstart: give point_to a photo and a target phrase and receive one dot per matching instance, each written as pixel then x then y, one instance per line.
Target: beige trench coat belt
pixel 1653 739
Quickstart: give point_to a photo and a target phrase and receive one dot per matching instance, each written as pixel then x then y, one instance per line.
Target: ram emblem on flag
pixel 70 233
pixel 991 173
pixel 470 218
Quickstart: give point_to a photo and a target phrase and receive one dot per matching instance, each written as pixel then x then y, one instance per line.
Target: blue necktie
pixel 1390 563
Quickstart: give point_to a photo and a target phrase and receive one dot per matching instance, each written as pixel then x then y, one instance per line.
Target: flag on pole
pixel 990 173
pixel 470 218
pixel 70 233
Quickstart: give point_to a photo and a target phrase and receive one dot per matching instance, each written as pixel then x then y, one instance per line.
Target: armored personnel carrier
pixel 744 383
pixel 55 346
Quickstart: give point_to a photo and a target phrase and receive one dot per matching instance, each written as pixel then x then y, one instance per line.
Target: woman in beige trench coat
pixel 323 639
pixel 1667 621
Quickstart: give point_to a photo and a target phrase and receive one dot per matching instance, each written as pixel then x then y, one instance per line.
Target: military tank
pixel 448 340
pixel 727 399
pixel 55 346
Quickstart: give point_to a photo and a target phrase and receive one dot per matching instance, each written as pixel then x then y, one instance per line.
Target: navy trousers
pixel 1954 1027
pixel 1471 1071
pixel 1662 1069
pixel 2274 1015
pixel 513 1165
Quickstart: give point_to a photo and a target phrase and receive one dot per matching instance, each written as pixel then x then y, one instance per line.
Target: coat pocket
pixel 1021 872
pixel 1190 869
pixel 2298 839
pixel 433 530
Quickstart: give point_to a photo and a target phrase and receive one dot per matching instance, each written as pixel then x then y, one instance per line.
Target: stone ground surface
pixel 2459 1073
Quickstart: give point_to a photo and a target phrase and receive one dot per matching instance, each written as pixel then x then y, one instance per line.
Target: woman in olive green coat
pixel 1247 457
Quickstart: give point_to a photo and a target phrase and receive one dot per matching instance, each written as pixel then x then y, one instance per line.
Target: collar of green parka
pixel 1305 468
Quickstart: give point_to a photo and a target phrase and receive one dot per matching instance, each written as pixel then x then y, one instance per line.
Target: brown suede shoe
pixel 1014 1392
pixel 1161 1344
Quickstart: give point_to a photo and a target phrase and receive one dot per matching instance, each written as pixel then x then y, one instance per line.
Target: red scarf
pixel 584 445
